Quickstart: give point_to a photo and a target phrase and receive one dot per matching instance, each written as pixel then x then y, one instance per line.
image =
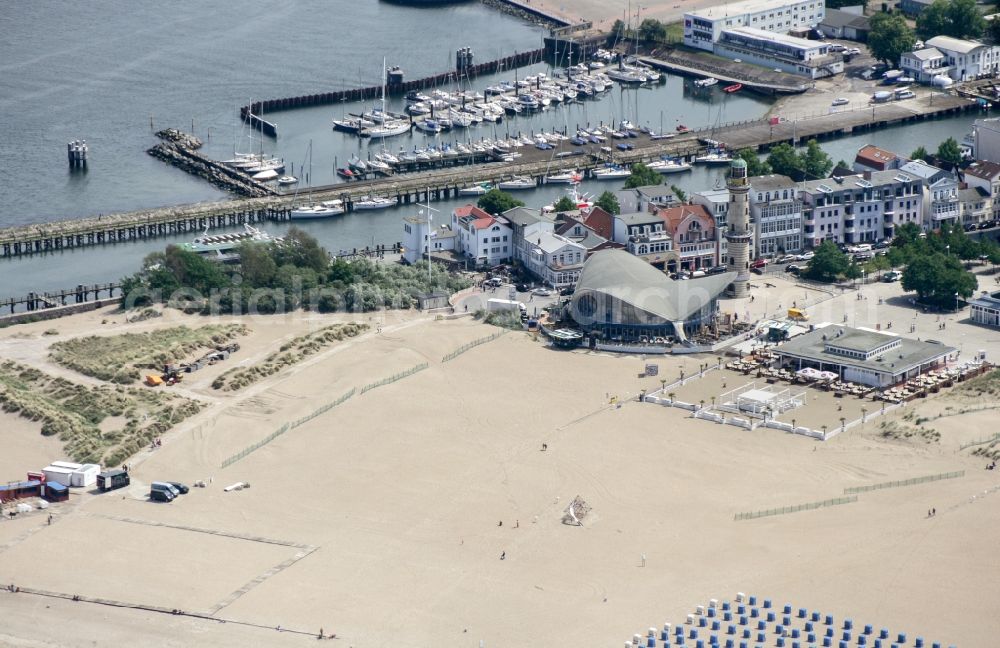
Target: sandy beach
pixel 380 520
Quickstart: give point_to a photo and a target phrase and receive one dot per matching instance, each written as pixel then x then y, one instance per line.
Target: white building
pixel 554 259
pixel 775 215
pixel 976 207
pixel 421 236
pixel 779 51
pixel 986 139
pixel 985 310
pixel 716 201
pixel 924 64
pixel 704 27
pixel 484 239
pixel 966 59
pixel 860 208
pixel 940 189
pixel 986 176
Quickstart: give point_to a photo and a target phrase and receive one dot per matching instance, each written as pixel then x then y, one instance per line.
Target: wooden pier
pixel 79 295
pixel 445 182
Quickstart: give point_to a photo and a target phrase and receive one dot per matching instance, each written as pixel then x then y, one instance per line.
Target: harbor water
pixel 99 74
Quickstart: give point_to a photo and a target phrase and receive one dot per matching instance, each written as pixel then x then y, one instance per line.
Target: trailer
pixel 55 492
pixel 505 306
pixel 85 475
pixel 112 479
pixel 58 475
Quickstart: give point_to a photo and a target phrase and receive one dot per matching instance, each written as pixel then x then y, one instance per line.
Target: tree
pixel 889 37
pixel 828 263
pixel 608 202
pixel 755 166
pixel 815 162
pixel 680 193
pixel 495 202
pixel 785 161
pixel 937 278
pixel 920 153
pixel 565 204
pixel 642 176
pixel 616 34
pixel 256 264
pixel 955 18
pixel 652 31
pixel 949 152
pixel 934 20
pixel 300 250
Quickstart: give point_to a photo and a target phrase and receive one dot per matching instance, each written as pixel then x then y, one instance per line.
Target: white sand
pixel 401 490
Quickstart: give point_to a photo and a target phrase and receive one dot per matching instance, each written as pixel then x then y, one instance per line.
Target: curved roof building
pixel 622 296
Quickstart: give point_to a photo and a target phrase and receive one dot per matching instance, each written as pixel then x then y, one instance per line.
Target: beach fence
pixel 285 428
pixel 394 377
pixel 983 441
pixel 810 506
pixel 905 482
pixel 471 345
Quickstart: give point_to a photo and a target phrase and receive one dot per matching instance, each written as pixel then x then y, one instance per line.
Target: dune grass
pixel 123 358
pixel 75 412
pixel 290 353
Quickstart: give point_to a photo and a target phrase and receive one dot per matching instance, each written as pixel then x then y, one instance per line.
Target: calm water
pixel 99 73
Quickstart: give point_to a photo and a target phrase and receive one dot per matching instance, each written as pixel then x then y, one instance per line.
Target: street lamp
pixel 956 302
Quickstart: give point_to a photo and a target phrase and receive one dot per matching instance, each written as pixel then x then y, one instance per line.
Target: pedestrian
pixel 752 297
pixel 933 511
pixel 500 523
pixel 50 519
pixel 503 555
pixel 545 446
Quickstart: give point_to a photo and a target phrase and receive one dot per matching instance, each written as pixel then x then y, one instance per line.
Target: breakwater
pixel 179 149
pixel 370 93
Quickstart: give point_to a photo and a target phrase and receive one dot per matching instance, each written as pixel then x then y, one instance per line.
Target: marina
pixel 444 181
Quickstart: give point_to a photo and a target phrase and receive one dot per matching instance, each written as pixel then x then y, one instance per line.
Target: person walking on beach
pixel 503 555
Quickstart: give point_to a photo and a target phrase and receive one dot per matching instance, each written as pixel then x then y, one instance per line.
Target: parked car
pixel 787 258
pixel 758 263
pixel 793 268
pixel 840 101
pixel 892 275
pixel 719 269
pixel 567 290
pixel 523 287
pixel 542 291
pixel 805 256
pixel 181 488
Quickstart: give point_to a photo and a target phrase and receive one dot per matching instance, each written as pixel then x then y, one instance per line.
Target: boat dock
pixel 439 183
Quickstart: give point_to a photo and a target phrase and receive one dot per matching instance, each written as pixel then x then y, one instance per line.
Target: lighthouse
pixel 738 231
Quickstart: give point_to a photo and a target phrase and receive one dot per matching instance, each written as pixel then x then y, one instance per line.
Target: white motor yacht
pixel 374 202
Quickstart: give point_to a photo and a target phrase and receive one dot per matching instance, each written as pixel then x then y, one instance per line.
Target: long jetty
pixel 438 183
pixel 370 93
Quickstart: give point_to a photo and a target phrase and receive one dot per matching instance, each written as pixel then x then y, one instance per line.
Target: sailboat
pixel 386 125
pixel 311 211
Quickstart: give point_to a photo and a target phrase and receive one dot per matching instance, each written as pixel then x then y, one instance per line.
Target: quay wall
pixel 55 312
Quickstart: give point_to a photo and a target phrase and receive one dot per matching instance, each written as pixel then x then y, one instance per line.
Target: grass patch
pixel 906 432
pixel 123 358
pixel 74 412
pixel 985 385
pixel 290 353
pixel 504 319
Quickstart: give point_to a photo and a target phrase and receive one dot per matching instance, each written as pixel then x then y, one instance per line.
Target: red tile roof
pixel 875 157
pixel 674 216
pixel 601 222
pixel 471 210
